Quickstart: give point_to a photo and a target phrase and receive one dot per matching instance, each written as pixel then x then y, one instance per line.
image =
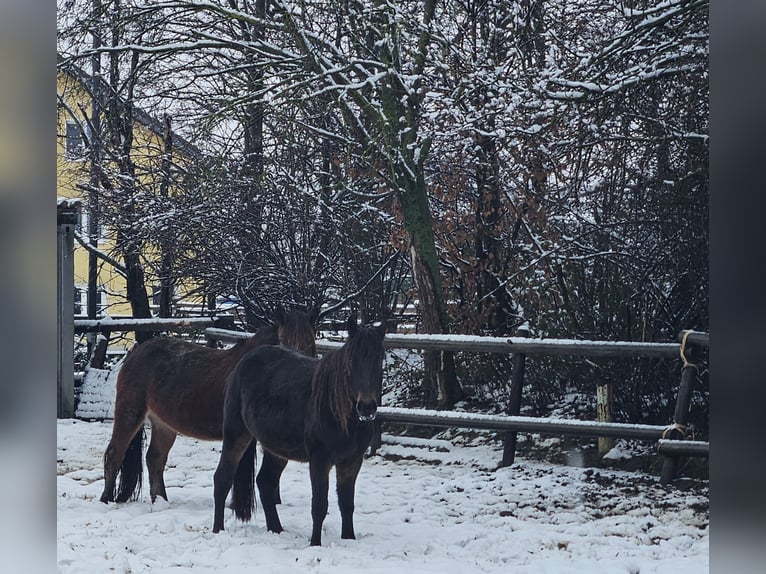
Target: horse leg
pixel 346 474
pixel 277 494
pixel 268 488
pixel 236 440
pixel 319 469
pixel 160 444
pixel 275 466
pixel 127 434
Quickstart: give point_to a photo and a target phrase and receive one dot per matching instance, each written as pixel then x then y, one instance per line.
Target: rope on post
pixel 674 427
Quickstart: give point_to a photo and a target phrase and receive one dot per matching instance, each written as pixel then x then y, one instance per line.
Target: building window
pixel 75 142
pixel 83 223
pixel 81 301
pixel 79 298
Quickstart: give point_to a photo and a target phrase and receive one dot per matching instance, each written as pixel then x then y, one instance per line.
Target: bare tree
pixel 525 162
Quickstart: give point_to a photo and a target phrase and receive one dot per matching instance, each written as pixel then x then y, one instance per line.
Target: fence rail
pixel 520 423
pixel 507 345
pixel 670 438
pixel 678 447
pixel 150 324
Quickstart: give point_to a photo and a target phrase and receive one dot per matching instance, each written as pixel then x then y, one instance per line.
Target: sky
pixel 422 506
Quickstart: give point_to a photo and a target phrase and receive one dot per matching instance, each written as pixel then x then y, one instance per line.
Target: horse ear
pixel 280 313
pixel 352 325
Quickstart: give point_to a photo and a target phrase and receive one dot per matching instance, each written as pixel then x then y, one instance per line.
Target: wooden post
pixel 98 358
pixel 514 402
pixel 219 323
pixel 677 431
pixel 66 219
pixel 377 436
pixel 211 341
pixel 604 415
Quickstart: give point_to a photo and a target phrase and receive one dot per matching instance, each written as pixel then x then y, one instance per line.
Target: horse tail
pixel 132 469
pixel 243 488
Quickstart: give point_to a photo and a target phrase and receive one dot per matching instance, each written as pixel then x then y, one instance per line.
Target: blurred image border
pixel 738 123
pixel 27 256
pixel 27 248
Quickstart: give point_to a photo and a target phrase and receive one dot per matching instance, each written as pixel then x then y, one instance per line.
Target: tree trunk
pixel 95 165
pixel 439 365
pixel 120 122
pixel 166 260
pixel 137 296
pixel 252 173
pixel 497 309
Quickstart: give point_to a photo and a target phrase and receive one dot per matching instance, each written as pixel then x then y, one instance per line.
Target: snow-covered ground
pixel 421 506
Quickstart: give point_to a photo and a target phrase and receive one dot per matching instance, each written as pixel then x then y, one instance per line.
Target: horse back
pixel 273 388
pixel 179 382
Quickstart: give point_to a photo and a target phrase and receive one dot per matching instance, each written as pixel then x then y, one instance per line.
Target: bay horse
pixel 180 387
pixel 319 411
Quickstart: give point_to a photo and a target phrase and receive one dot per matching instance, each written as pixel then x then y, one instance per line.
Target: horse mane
pixel 331 386
pixel 331 382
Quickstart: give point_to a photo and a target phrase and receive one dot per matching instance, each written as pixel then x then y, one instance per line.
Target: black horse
pixel 319 411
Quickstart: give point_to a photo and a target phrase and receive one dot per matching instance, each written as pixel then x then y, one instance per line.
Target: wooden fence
pixel 671 439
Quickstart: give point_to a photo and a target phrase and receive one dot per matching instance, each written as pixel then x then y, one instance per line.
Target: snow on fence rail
pixel 148 324
pixel 509 345
pixel 520 423
pixel 671 439
pixel 689 447
pixel 671 449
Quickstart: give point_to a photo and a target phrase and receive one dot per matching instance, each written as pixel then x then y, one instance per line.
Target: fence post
pixel 211 341
pixel 604 415
pixel 377 434
pixel 98 358
pixel 677 430
pixel 219 323
pixel 514 402
pixel 66 219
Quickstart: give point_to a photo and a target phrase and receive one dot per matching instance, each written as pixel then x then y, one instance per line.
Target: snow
pixel 422 506
pixel 620 451
pixel 524 340
pixel 98 392
pixel 68 202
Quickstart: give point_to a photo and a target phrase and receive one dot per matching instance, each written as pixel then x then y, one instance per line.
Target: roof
pixel 139 115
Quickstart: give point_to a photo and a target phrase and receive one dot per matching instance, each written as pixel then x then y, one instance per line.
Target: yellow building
pixel 73 168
